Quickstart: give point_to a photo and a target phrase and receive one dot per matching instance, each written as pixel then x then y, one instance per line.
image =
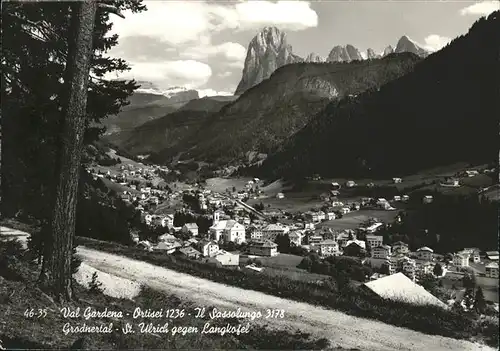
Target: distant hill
pixel 146 106
pixel 445 111
pixel 270 112
pixel 172 129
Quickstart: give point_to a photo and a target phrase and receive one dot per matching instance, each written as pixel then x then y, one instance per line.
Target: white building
pixel 425 253
pixel 273 230
pixel 229 230
pixel 400 247
pixel 492 270
pixel 225 258
pixel 461 259
pixel 191 228
pixel 427 199
pixel 374 240
pixel 328 248
pixel 208 248
pixel 382 252
pixel 409 267
pixel 374 227
pixel 263 248
pixel 296 238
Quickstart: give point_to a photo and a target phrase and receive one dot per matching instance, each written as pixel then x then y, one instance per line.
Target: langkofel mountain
pixel 270 50
pixel 267 51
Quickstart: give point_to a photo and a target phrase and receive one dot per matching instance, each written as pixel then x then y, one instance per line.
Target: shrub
pixel 95 286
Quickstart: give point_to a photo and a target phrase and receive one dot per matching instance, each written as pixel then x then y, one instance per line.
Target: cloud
pixel 291 15
pixel 224 74
pixel 211 92
pixel 483 8
pixel 435 42
pixel 229 50
pixel 172 42
pixel 166 74
pixel 177 22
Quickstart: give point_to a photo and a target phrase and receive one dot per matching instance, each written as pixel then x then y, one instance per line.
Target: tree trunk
pixel 56 272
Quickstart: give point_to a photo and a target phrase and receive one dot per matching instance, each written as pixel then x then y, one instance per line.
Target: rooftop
pixel 401 288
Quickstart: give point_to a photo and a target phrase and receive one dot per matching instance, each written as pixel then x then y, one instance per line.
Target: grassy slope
pixel 170 130
pixel 18 292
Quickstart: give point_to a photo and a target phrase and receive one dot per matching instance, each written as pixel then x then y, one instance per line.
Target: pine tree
pixel 438 270
pixel 54 49
pixel 479 301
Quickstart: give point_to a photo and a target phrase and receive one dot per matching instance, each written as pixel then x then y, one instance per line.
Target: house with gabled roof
pixel 425 253
pixel 328 248
pixel 208 248
pixel 262 248
pixel 189 252
pixel 400 247
pixel 461 259
pixel 492 270
pixel 191 228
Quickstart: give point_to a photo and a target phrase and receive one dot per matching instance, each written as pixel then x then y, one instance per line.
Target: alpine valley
pixel 364 111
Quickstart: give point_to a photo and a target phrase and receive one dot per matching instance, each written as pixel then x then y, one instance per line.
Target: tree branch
pixel 111 9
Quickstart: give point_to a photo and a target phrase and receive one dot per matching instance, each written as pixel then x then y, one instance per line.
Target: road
pixel 341 329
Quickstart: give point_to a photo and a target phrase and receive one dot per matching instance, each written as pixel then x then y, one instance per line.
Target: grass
pixel 285 265
pixel 281 260
pixel 353 220
pixel 489 285
pixel 47 333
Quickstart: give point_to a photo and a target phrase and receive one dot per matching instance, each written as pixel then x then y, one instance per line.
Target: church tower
pixel 216 217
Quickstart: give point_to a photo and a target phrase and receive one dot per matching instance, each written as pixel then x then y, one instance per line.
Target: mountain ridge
pixel 286 101
pixel 371 141
pixel 269 50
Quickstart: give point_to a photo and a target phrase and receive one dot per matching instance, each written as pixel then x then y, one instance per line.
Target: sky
pixel 202 44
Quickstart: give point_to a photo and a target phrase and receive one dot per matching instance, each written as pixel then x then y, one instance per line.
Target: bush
pixel 95 286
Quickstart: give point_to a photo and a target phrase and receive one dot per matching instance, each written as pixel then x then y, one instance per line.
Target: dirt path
pixel 341 329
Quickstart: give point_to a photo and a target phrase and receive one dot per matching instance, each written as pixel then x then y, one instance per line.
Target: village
pixel 247 237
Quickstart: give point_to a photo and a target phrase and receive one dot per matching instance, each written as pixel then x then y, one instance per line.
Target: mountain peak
pixel 405 44
pixel 370 54
pixel 388 50
pixel 313 57
pixel 345 53
pixel 267 51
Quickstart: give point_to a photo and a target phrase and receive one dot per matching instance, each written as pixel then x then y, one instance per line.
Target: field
pixel 220 185
pixel 353 220
pixel 286 265
pixel 291 203
pixel 489 285
pixel 118 187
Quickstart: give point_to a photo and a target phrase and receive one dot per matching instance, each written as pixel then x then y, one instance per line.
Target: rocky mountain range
pixel 270 50
pixel 278 95
pixel 418 121
pixel 264 116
